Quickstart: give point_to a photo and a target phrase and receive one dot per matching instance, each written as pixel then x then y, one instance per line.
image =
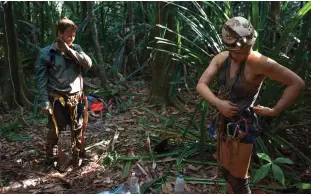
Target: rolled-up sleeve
pixel 83 59
pixel 42 80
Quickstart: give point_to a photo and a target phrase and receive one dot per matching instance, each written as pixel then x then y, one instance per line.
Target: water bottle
pixel 180 185
pixel 134 186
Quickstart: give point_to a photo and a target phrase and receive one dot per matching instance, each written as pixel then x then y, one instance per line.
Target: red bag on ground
pixel 97 106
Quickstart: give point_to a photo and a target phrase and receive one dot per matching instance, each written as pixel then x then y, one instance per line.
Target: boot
pixel 76 160
pixel 63 162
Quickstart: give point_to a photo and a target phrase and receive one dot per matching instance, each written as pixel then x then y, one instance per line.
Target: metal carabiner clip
pixel 242 133
pixel 228 130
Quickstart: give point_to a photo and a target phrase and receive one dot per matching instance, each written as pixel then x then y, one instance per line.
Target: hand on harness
pixel 265 111
pixel 227 108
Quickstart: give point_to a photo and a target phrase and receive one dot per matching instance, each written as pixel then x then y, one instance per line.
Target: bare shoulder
pixel 220 58
pixel 266 66
pixel 261 63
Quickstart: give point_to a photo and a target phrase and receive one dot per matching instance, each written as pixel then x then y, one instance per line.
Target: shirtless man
pixel 241 74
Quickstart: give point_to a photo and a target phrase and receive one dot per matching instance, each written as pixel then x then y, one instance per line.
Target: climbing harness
pixel 71 101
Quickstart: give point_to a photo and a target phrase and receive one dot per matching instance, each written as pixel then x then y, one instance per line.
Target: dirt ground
pixel 120 135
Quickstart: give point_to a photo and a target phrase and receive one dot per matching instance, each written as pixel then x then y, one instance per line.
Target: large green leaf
pixel 283 161
pixel 261 172
pixel 126 168
pixel 278 174
pixel 264 157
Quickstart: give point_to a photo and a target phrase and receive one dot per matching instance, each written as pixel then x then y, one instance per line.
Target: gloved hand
pixel 61 46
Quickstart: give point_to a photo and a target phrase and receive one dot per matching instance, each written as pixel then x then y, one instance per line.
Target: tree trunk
pixel 16 88
pixel 274 14
pixel 146 52
pixel 102 66
pixel 3 61
pixel 129 60
pixel 42 30
pixel 308 71
pixel 28 10
pixel 162 65
pixel 33 19
pixel 84 9
pixel 306 26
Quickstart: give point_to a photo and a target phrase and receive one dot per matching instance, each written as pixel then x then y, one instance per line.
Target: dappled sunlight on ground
pixel 113 142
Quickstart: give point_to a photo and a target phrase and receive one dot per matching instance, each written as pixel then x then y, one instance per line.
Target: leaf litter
pixel 107 139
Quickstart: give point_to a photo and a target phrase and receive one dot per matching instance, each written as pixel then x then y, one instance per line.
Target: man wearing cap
pixel 241 72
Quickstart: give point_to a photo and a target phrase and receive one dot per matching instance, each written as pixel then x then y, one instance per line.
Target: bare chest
pixel 247 73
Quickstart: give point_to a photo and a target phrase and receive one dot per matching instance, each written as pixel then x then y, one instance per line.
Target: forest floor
pixel 110 141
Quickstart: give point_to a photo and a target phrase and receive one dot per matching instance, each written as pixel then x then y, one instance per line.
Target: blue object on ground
pixel 119 190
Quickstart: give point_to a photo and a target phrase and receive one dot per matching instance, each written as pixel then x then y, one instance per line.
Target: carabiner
pixel 243 133
pixel 228 130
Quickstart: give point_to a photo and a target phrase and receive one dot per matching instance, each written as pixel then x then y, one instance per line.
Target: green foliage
pixel 277 172
pixel 8 129
pixel 261 172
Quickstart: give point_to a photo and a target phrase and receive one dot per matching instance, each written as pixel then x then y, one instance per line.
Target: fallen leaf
pixel 49 186
pixel 138 112
pixel 167 188
pixel 129 121
pixel 191 167
pixel 107 180
pixel 108 129
pixel 142 169
pixel 175 113
pixel 55 189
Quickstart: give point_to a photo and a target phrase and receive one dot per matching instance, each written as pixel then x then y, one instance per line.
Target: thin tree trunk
pixel 146 52
pixel 3 61
pixel 28 10
pixel 102 18
pixel 102 68
pixel 308 69
pixel 129 60
pixel 301 48
pixel 42 30
pixel 84 9
pixel 275 11
pixel 16 88
pixel 33 19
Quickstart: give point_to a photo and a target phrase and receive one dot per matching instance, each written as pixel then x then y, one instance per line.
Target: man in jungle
pixel 241 72
pixel 60 83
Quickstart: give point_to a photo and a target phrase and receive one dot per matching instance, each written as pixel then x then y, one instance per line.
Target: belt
pixel 64 94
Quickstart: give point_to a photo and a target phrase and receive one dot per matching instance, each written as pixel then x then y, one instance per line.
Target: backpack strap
pixel 51 63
